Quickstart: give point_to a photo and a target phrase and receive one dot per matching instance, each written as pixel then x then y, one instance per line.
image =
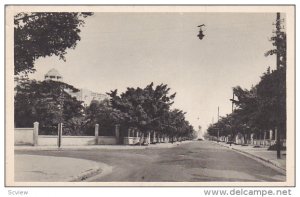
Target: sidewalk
pixel 36 168
pixel 105 147
pixel 260 153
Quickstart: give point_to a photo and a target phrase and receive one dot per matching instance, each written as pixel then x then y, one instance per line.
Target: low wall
pixel 23 136
pixel 136 140
pixel 51 140
pixel 264 142
pixel 47 140
pixel 78 140
pixel 131 140
pixel 107 140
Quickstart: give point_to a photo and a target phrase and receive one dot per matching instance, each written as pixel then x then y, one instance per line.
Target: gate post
pixel 96 133
pixel 117 133
pixel 149 137
pixel 35 133
pixel 59 140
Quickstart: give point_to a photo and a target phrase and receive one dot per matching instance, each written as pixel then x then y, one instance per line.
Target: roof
pixel 53 72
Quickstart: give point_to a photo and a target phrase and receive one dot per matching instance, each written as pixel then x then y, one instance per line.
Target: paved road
pixel 197 161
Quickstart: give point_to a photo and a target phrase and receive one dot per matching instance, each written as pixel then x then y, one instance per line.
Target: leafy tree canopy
pixel 46 102
pixel 148 109
pixel 41 34
pixel 261 108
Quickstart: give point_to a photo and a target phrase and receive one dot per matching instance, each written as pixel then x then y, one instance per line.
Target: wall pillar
pixel 252 138
pixel 59 139
pixel 35 133
pixel 271 134
pixel 129 131
pixel 117 133
pixel 96 133
pixel 265 134
pixel 148 137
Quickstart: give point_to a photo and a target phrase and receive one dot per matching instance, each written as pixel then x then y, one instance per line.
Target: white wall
pixel 131 140
pixel 78 140
pixel 23 136
pixel 107 140
pixel 47 140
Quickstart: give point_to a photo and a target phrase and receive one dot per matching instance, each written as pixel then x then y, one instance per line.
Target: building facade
pixel 85 95
pixel 53 75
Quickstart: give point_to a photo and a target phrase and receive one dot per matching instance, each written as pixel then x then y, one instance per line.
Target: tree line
pixel 258 110
pixel 262 107
pixel 143 109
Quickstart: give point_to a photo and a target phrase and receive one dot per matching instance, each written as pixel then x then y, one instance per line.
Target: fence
pixel 134 137
pixel 256 142
pixel 30 136
pixel 264 142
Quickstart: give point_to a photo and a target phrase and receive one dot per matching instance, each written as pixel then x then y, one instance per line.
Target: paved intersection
pixel 197 161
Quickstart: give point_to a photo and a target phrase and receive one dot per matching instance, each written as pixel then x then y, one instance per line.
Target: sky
pixel 120 50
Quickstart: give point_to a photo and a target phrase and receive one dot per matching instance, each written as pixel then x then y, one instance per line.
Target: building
pixel 85 95
pixel 53 75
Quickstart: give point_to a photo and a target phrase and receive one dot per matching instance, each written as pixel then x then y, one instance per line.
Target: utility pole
pixel 232 109
pixel 277 39
pixel 232 102
pixel 278 43
pixel 60 124
pixel 218 127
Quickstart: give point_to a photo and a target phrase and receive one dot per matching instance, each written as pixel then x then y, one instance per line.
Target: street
pixel 196 161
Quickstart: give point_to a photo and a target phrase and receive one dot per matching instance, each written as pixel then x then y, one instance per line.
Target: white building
pixel 53 75
pixel 85 95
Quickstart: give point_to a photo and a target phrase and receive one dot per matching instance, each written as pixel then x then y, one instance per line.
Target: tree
pixel 279 41
pixel 144 107
pixel 103 114
pixel 148 109
pixel 261 108
pixel 41 34
pixel 48 103
pixel 271 92
pixel 176 126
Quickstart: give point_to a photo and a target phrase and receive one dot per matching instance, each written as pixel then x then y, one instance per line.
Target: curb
pixel 85 175
pixel 102 170
pixel 266 162
pixel 102 147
